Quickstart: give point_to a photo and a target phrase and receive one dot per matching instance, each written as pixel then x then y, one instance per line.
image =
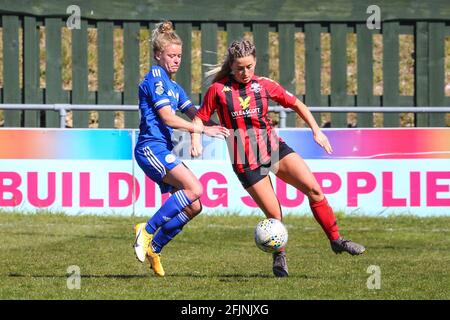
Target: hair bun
pixel 163 34
pixel 165 27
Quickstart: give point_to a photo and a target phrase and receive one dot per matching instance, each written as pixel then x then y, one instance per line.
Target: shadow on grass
pixel 221 277
pixel 46 234
pixel 85 276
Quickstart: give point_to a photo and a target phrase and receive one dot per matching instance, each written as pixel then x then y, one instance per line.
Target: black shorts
pixel 250 177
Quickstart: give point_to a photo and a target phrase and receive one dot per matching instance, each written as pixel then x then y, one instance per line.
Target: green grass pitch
pixel 215 258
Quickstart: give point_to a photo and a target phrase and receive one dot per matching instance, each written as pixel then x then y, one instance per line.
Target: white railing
pixel 63 108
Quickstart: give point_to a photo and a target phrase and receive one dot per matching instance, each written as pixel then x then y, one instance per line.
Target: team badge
pixel 170 158
pixel 159 89
pixel 255 87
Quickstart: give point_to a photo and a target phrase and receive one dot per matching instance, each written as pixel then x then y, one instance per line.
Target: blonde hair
pixel 237 49
pixel 163 35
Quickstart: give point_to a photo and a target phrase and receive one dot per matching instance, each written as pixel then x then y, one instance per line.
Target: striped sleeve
pixel 183 101
pixel 158 90
pixel 208 106
pixel 161 103
pixel 279 94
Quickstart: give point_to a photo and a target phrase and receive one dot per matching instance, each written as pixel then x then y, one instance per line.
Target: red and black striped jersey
pixel 243 108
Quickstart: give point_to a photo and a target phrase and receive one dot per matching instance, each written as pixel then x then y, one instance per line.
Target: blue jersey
pixel 157 90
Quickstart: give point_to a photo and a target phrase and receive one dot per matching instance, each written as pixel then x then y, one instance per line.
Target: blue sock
pixel 168 231
pixel 174 205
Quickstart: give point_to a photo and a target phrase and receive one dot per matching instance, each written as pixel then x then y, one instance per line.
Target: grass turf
pixel 215 258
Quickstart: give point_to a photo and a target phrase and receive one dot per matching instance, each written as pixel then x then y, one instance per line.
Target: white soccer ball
pixel 271 235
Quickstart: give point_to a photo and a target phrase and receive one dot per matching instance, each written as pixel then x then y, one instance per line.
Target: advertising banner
pixel 92 171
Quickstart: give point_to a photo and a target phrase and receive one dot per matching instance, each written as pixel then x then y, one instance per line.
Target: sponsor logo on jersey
pixel 245 103
pixel 244 113
pixel 246 110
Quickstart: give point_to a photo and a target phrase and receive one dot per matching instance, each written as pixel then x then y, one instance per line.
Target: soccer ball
pixel 271 235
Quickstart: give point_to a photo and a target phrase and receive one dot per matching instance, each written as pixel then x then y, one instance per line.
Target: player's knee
pixel 193 209
pixel 196 207
pixel 315 194
pixel 196 190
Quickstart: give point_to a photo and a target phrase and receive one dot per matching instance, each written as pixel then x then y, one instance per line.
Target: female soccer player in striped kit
pixel 241 100
pixel 159 98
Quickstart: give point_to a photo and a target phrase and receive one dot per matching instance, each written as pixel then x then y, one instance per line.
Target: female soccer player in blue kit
pixel 159 98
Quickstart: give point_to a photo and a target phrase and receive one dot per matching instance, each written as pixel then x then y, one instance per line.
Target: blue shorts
pixel 156 161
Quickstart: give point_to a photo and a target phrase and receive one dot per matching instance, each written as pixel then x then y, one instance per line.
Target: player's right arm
pixel 159 99
pixel 172 120
pixel 155 89
pixel 196 143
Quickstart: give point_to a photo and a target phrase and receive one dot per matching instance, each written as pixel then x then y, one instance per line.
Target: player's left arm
pixel 288 100
pixel 321 139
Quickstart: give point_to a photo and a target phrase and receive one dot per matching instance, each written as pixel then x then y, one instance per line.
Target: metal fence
pixel 62 109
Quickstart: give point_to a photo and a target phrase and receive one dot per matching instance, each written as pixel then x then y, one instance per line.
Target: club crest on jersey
pixel 170 158
pixel 255 87
pixel 245 103
pixel 159 89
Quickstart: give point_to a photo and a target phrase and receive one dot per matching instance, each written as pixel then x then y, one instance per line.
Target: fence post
pixel 338 72
pixel 53 78
pixel 313 67
pixel 391 71
pixel 365 73
pixel 105 95
pixel 31 88
pixel 286 36
pixel 11 86
pixel 80 88
pixel 436 62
